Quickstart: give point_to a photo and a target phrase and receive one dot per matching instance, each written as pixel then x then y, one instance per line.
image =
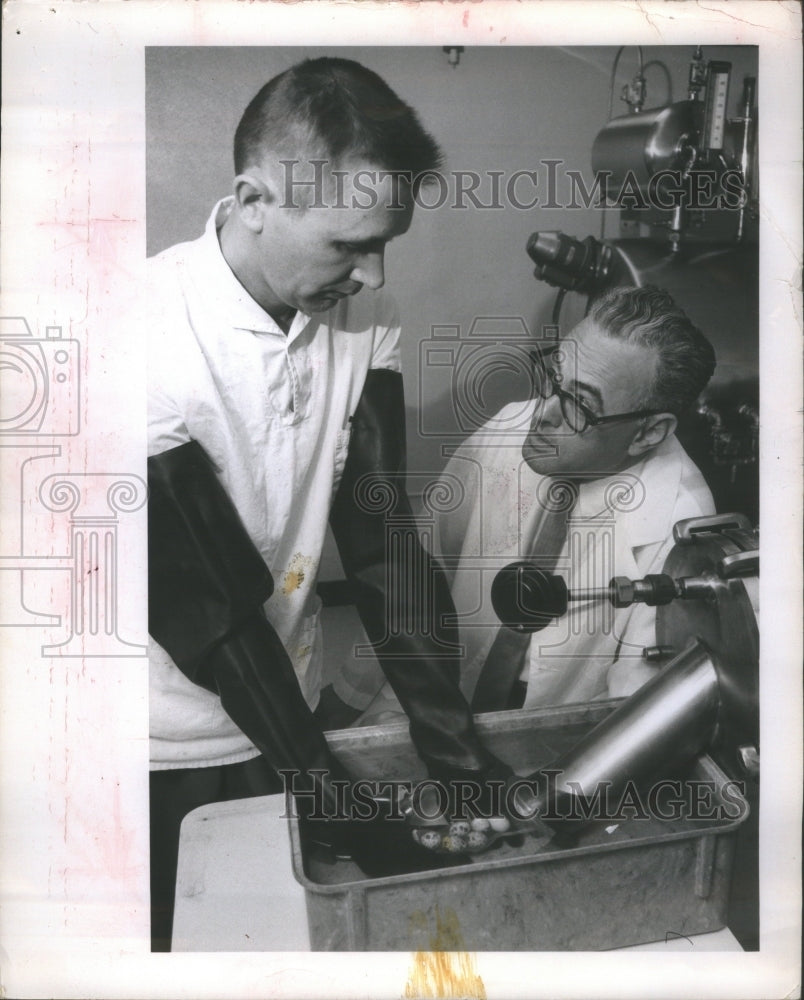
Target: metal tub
pixel 616 884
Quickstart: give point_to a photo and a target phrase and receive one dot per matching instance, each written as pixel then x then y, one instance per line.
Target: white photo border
pixel 73 740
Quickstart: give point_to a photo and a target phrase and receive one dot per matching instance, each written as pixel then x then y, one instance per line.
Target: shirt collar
pixel 660 473
pixel 218 282
pixel 644 514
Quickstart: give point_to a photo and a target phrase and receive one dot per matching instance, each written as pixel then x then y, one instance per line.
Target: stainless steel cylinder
pixel 642 144
pixel 666 723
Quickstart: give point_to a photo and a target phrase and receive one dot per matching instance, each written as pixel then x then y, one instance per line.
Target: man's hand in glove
pixel 372 831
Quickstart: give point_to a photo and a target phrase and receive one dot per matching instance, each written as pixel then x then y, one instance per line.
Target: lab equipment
pixel 705 698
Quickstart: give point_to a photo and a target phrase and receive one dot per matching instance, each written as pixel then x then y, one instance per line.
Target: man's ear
pixel 251 196
pixel 652 432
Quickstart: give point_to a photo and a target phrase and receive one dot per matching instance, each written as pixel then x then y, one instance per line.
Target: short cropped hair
pixel 650 317
pixel 334 108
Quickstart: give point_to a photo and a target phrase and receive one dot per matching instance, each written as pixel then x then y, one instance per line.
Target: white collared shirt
pixel 273 413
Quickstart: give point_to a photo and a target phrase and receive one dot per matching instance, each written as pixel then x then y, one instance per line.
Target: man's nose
pixel 551 415
pixel 370 270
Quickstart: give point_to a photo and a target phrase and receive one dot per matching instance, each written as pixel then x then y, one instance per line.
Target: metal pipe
pixel 667 722
pixel 749 84
pixel 589 594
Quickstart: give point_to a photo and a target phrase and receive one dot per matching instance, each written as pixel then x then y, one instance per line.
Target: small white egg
pixel 476 840
pixel 500 824
pixel 459 828
pixel 430 839
pixel 453 844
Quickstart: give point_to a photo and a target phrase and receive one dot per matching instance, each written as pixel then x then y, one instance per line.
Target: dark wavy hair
pixel 334 109
pixel 650 317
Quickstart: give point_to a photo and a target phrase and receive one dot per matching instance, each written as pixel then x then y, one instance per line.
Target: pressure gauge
pixel 717 95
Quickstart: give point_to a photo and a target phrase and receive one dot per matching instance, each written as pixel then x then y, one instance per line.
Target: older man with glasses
pixel 587 479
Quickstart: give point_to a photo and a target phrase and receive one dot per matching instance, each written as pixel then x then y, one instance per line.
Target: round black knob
pixel 526 598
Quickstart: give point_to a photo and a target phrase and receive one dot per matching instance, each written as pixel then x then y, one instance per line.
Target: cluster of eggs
pixel 462 836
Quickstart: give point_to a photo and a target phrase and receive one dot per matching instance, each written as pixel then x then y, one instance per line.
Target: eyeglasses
pixel 577 415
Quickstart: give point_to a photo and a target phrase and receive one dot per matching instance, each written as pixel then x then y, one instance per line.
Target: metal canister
pixel 636 147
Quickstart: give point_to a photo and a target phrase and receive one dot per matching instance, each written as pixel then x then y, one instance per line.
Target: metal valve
pixel 527 598
pixel 654 589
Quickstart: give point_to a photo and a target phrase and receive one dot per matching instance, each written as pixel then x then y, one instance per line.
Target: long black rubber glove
pixel 419 657
pixel 207 585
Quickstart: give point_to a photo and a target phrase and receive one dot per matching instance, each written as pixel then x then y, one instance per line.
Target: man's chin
pixel 323 303
pixel 542 458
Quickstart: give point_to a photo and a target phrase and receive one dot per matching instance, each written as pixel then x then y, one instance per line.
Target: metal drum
pixel 716 286
pixel 725 554
pixel 640 145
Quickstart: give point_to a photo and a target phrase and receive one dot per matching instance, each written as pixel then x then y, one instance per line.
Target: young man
pixel 274 390
pixel 597 442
